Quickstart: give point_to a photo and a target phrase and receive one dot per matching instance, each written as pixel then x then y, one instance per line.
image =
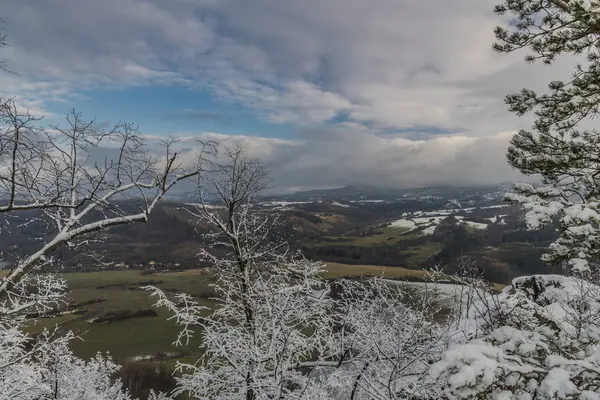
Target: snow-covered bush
pixel 390 338
pixel 543 343
pixel 45 368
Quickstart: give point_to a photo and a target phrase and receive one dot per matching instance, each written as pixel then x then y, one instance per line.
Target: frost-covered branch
pixel 59 173
pixel 70 181
pixel 276 328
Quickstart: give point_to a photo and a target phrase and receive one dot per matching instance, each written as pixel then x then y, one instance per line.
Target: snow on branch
pixel 73 177
pixel 72 180
pixel 563 148
pixel 276 328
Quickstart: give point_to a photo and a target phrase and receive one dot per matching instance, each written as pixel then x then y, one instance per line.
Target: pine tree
pixel 563 147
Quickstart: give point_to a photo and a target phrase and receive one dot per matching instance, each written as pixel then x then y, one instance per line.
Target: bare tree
pixel 271 308
pixel 71 178
pixel 59 173
pixel 59 176
pixel 3 41
pixel 275 330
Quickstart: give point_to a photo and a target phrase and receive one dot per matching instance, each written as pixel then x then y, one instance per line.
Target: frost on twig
pixel 59 175
pixel 65 184
pixel 275 328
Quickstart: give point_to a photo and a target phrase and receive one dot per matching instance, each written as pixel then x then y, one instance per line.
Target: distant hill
pixel 363 225
pixel 363 192
pixel 353 191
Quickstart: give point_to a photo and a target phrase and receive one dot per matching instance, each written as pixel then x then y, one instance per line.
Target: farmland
pixel 133 337
pixel 120 290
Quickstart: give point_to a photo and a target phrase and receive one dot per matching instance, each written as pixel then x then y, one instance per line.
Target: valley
pixel 355 235
pixel 412 229
pixel 151 337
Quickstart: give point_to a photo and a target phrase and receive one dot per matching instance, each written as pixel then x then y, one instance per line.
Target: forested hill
pixel 414 229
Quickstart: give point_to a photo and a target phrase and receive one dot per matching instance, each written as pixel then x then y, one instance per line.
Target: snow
pixel 367 201
pixel 429 221
pixel 403 223
pixel 557 384
pixel 580 212
pixel 473 370
pixel 533 350
pixel 538 214
pixel 495 206
pixel 498 219
pixel 433 213
pixel 578 264
pixel 335 203
pixel 441 290
pixel 430 230
pixel 476 225
pixel 286 203
pixel 207 206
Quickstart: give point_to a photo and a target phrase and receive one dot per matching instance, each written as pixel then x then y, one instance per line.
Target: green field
pixel 418 254
pixel 152 335
pixel 130 337
pixel 378 237
pixel 389 237
pixel 335 270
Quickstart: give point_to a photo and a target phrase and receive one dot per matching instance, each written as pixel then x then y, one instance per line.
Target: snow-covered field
pixel 335 203
pixel 430 223
pixel 289 204
pixel 498 219
pixel 367 201
pixel 427 221
pixel 286 203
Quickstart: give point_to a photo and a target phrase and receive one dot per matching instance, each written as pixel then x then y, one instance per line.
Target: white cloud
pixel 342 157
pixel 334 157
pixel 385 66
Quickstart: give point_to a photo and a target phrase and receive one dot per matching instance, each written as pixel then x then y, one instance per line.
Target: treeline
pixel 119 315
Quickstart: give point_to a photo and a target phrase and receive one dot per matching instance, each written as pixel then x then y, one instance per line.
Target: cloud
pixel 372 86
pixel 337 157
pixel 344 157
pixel 296 102
pixel 390 64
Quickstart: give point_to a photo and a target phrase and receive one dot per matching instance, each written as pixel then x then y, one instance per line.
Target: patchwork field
pixel 147 336
pixel 409 245
pixel 382 236
pixel 120 290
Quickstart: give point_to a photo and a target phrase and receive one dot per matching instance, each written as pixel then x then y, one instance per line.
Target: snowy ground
pixel 290 204
pixel 430 223
pixel 427 221
pixel 335 203
pixel 367 201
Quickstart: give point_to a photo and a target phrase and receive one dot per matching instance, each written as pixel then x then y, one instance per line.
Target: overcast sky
pixel 327 92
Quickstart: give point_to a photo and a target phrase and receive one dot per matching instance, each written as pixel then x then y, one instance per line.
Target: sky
pixel 396 93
